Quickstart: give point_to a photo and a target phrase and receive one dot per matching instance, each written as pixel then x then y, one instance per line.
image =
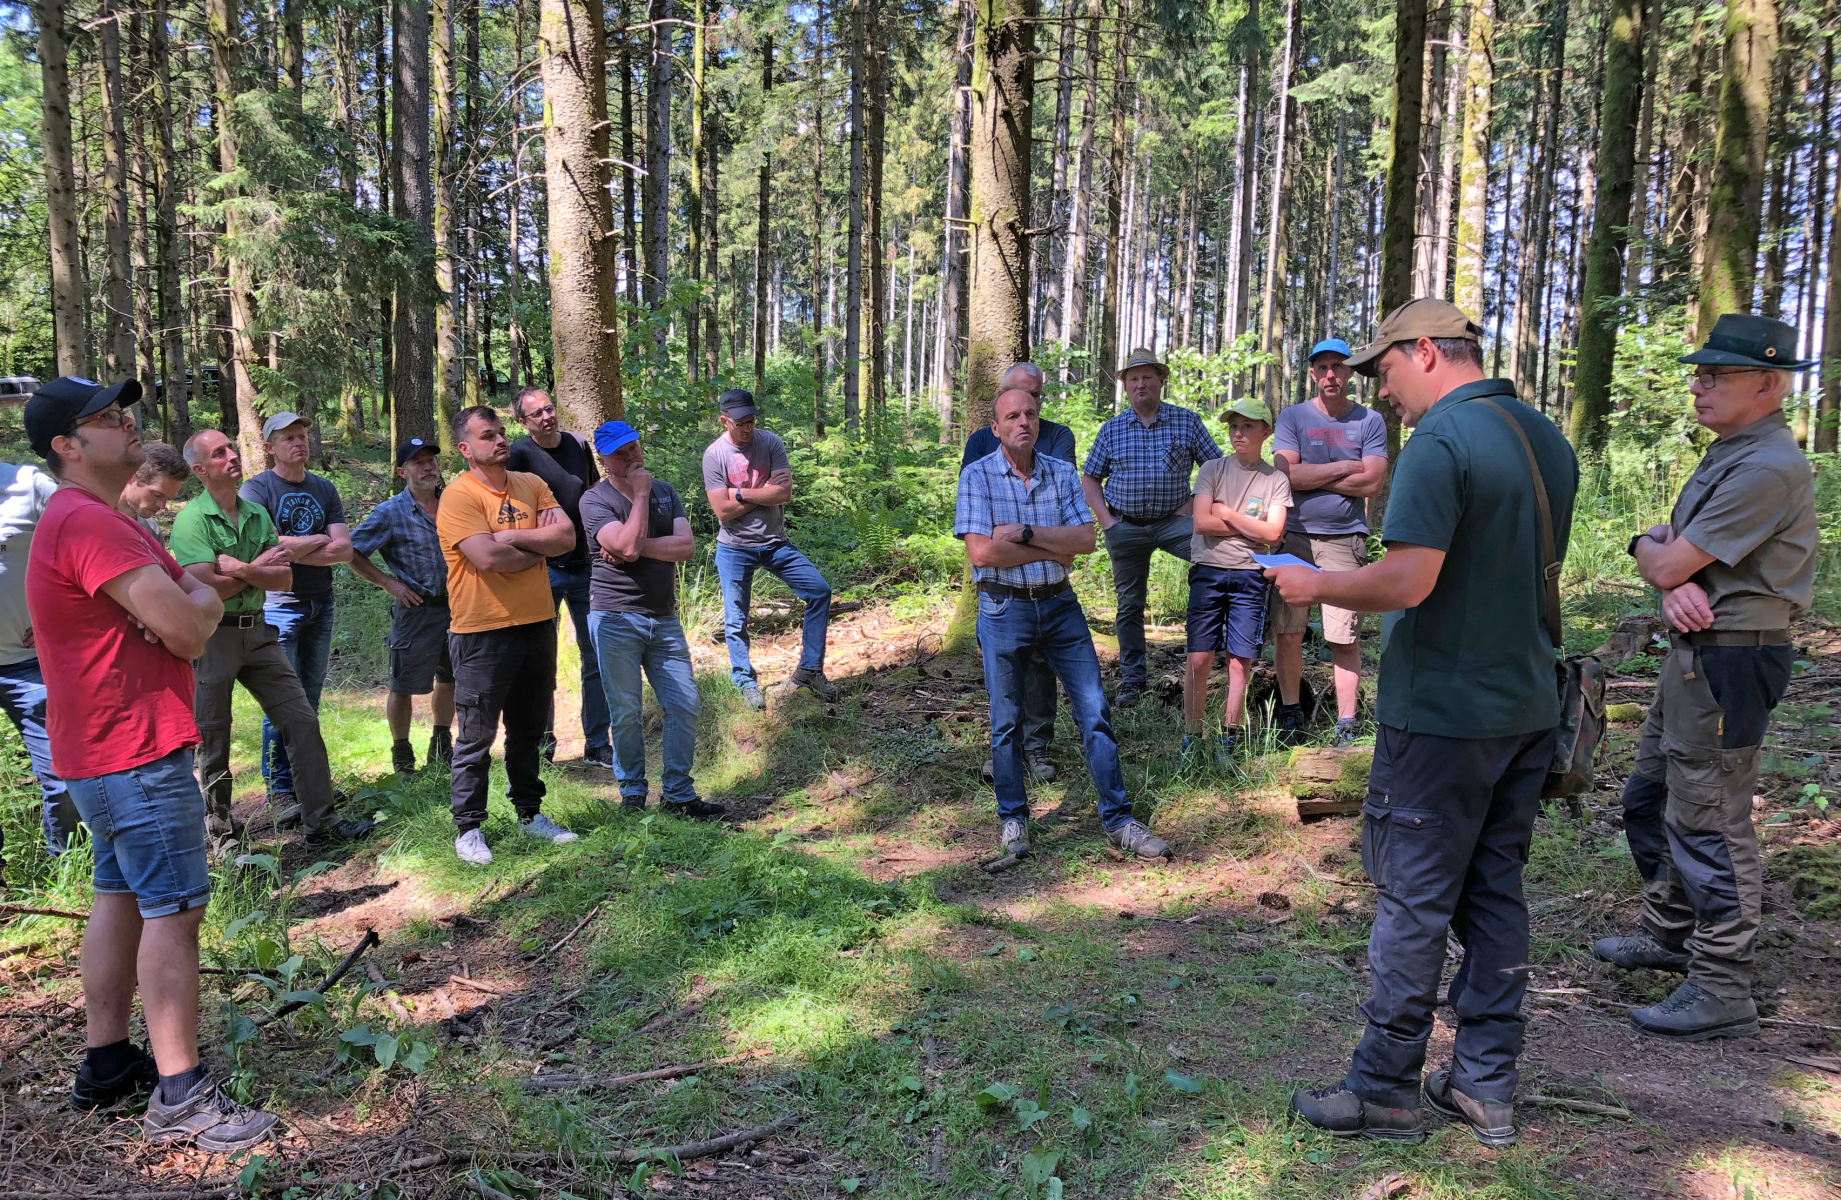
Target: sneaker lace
pixel 1324 1092
pixel 229 1109
pixel 1685 996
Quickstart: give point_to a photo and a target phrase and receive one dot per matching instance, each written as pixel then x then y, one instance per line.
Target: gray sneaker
pixel 1693 1015
pixel 1013 840
pixel 751 696
pixel 1134 838
pixel 1491 1121
pixel 815 683
pixel 1640 950
pixel 540 826
pixel 209 1119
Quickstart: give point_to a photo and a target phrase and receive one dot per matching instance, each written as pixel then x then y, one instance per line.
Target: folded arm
pixel 321 549
pixel 1667 560
pixel 181 614
pixel 555 534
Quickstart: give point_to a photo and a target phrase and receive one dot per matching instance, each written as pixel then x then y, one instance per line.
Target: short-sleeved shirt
pixel 991 493
pixel 115 701
pixel 24 492
pixel 405 534
pixel 569 470
pixel 1751 505
pixel 1317 438
pixel 645 585
pixel 484 600
pixel 299 510
pixel 726 465
pixel 202 531
pixel 1257 492
pixel 1473 659
pixel 1146 468
pixel 1053 439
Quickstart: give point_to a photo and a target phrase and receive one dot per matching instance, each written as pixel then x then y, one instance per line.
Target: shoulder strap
pixel 1550 563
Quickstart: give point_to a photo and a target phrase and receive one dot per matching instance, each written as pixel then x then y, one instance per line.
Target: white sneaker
pixel 541 826
pixel 471 847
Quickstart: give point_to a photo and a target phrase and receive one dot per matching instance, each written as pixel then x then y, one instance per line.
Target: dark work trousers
pixel 1130 547
pixel 509 672
pixel 1688 806
pixel 1445 835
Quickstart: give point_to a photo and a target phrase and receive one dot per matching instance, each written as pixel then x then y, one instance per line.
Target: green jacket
pixel 201 532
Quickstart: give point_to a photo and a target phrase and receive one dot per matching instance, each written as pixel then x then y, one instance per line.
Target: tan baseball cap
pixel 1142 358
pixel 1421 318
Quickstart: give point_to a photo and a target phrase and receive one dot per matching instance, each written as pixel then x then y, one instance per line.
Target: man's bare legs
pixel 162 953
pixel 399 710
pixel 1346 665
pixel 1195 689
pixel 110 942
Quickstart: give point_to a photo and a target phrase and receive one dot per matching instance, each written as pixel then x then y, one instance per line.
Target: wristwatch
pixel 738 497
pixel 1630 546
pixel 1029 534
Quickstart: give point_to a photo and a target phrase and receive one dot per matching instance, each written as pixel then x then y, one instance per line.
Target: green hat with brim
pixel 1142 358
pixel 1748 340
pixel 1251 409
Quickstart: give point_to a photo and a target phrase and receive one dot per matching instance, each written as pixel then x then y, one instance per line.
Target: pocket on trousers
pixel 1698 780
pixel 1403 849
pixel 992 606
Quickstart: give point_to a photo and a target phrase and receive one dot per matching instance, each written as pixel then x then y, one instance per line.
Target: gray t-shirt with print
pixel 726 465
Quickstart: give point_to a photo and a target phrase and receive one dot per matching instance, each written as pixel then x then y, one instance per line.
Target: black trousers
pixel 502 672
pixel 1445 835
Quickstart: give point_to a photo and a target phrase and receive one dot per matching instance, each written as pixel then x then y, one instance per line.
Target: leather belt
pixel 1024 593
pixel 1140 521
pixel 247 620
pixel 1735 637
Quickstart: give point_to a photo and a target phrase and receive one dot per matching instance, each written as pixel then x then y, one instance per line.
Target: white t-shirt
pixel 24 492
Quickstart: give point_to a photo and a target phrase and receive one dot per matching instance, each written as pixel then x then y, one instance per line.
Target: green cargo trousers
pixel 1688 803
pixel 246 650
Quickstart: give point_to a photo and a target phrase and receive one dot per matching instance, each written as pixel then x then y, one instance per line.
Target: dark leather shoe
pixel 1691 1014
pixel 1640 950
pixel 339 831
pixel 89 1091
pixel 696 810
pixel 1491 1121
pixel 1340 1112
pixel 402 758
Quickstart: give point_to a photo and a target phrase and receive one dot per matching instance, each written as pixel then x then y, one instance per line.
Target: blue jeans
pixel 22 695
pixel 572 585
pixel 147 825
pixel 625 643
pixel 1014 633
pixel 736 565
pixel 304 630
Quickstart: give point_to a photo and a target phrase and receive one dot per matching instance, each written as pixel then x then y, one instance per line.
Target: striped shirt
pixel 1146 468
pixel 991 493
pixel 404 531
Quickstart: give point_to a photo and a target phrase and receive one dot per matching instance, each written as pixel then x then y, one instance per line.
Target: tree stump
pixel 1331 782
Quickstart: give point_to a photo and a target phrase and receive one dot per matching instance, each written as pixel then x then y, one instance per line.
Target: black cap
pixel 1748 340
pixel 58 405
pixel 736 403
pixel 411 447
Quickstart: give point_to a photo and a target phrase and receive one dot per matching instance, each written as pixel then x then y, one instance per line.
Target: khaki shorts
pixel 1339 552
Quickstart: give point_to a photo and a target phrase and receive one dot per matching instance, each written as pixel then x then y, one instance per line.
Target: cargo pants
pixel 1688 805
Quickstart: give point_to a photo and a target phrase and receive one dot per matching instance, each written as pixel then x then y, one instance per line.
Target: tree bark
pixel 177 384
pixel 450 395
pixel 693 193
pixel 386 315
pixel 629 206
pixel 1105 386
pixel 712 209
pixel 853 245
pixel 1645 152
pixel 223 19
pixel 61 191
pixel 875 126
pixel 818 221
pixel 761 246
pixel 1776 251
pixel 1278 219
pixel 954 278
pixel 1400 211
pixel 1739 157
pixel 1054 317
pixel 1002 96
pixel 413 381
pixel 118 335
pixel 1080 212
pixel 654 214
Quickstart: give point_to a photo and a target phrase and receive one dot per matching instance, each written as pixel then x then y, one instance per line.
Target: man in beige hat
pixel 1466 711
pixel 1136 480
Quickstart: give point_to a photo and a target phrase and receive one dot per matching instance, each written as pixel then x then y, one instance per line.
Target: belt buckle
pixel 246 620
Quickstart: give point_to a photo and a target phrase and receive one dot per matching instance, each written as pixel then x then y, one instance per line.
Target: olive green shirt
pixel 201 532
pixel 1751 505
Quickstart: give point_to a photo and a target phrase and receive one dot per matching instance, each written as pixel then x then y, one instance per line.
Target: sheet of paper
pixel 1283 560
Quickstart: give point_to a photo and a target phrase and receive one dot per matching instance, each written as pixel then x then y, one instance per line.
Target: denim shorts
pixel 147 825
pixel 1227 610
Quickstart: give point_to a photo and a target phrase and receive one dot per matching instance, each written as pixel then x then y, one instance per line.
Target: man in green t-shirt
pixel 1466 712
pixel 231 544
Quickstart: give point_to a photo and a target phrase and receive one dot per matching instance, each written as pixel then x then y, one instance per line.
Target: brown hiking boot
pixel 1341 1113
pixel 1491 1122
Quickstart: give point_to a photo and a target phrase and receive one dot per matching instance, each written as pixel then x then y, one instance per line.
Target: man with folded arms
pixel 119 624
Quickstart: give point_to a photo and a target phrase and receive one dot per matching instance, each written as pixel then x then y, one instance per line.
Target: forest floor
pixel 832 961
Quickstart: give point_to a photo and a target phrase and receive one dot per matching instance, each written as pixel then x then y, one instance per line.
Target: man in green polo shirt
pixel 231 544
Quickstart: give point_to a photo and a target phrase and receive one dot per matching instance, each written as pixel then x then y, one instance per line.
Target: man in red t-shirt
pixel 118 624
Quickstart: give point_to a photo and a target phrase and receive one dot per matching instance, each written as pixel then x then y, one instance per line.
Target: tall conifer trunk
pixel 166 239
pixel 449 355
pixel 118 335
pixel 1740 153
pixel 61 191
pixel 1002 96
pixel 413 380
pixel 761 246
pixel 223 21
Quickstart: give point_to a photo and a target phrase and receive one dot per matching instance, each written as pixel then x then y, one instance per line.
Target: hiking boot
pixel 751 696
pixel 1039 767
pixel 634 803
pixel 287 809
pixel 1693 1015
pixel 472 849
pixel 1347 730
pixel 1226 745
pixel 90 1091
pixel 599 756
pixel 1640 950
pixel 1191 749
pixel 339 831
pixel 1013 839
pixel 1134 838
pixel 815 683
pixel 541 826
pixel 1491 1122
pixel 696 809
pixel 208 1118
pixel 402 757
pixel 1288 725
pixel 1341 1113
pixel 1128 695
pixel 440 748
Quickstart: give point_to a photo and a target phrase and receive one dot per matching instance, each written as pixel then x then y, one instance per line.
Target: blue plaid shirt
pixel 405 533
pixel 1146 469
pixel 991 493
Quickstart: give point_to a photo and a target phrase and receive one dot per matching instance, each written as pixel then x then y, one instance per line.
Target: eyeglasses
pixel 1708 380
pixel 108 418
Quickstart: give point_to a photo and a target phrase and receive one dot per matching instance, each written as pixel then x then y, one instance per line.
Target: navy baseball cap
pixel 736 403
pixel 412 447
pixel 1332 345
pixel 609 436
pixel 58 405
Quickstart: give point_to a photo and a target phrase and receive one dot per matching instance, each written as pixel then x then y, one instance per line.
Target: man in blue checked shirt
pixel 403 529
pixel 1024 522
pixel 1137 482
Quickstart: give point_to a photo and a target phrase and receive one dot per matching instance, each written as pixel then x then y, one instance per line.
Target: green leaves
pixel 1039 1167
pixel 995 1097
pixel 243 922
pixel 387 1049
pixel 1187 1084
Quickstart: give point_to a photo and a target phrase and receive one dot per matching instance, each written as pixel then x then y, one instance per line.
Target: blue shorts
pixel 1227 610
pixel 147 826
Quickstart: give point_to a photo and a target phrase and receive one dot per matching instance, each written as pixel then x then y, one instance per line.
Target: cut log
pixel 1632 637
pixel 1331 782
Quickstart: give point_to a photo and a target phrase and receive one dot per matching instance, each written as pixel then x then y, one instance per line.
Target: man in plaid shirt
pixel 1137 481
pixel 1024 522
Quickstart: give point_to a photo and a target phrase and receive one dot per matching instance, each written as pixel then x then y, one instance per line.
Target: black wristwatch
pixel 1630 546
pixel 1029 534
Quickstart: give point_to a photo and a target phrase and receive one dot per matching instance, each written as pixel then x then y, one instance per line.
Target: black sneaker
pixel 402 757
pixel 339 831
pixel 89 1092
pixel 1341 1113
pixel 1288 725
pixel 696 810
pixel 600 756
pixel 209 1119
pixel 633 803
pixel 1491 1121
pixel 287 810
pixel 440 747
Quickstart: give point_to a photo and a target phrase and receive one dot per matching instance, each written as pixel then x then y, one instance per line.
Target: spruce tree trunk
pixel 1604 265
pixel 118 318
pixel 413 381
pixel 954 279
pixel 761 247
pixel 1106 361
pixel 1002 96
pixel 1828 405
pixel 1735 203
pixel 1450 149
pixel 386 316
pixel 818 222
pixel 1073 305
pixel 61 191
pixel 1278 217
pixel 693 194
pixel 653 212
pixel 629 202
pixel 712 146
pixel 1054 316
pixel 449 355
pixel 223 20
pixel 1776 251
pixel 1400 210
pixel 167 243
pixel 1639 247
pixel 875 125
pixel 853 246
pixel 584 319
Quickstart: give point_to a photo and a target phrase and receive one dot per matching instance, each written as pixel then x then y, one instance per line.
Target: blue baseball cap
pixel 1329 346
pixel 611 435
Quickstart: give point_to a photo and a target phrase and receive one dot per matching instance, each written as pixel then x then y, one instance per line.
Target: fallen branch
pixel 695 1150
pixel 369 939
pixel 1786 1023
pixel 481 985
pixel 485 1190
pixel 998 865
pixel 547 1083
pixel 1316 874
pixel 1578 1106
pixel 396 1006
pixel 1832 1065
pixel 27 948
pixel 663 1019
pixel 20 910
pixel 568 937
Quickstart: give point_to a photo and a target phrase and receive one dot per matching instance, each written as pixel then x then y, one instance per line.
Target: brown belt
pixel 1735 637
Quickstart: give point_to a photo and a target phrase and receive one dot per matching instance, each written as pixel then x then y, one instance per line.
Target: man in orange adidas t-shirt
pixel 497 529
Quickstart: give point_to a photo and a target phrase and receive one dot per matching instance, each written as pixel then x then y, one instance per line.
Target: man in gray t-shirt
pixel 748 482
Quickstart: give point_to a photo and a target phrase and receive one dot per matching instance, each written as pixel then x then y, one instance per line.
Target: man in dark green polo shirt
pixel 241 558
pixel 1466 710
